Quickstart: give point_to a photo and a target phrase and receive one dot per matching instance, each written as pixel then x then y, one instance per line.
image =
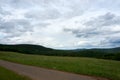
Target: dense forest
pixel 112 53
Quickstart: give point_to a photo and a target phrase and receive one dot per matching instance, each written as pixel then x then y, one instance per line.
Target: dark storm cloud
pixel 114 41
pixel 83 33
pixel 108 19
pixel 97 26
pixel 14 28
pixel 102 27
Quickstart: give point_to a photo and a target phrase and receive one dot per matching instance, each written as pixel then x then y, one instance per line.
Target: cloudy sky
pixel 61 24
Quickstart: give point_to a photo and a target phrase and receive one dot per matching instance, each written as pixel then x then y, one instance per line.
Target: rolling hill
pixel 24 48
pixel 110 53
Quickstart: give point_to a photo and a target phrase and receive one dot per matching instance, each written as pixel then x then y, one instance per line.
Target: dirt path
pixel 36 73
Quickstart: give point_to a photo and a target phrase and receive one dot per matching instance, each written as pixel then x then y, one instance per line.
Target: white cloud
pixel 60 23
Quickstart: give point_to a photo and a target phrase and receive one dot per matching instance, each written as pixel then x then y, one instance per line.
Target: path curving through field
pixel 37 73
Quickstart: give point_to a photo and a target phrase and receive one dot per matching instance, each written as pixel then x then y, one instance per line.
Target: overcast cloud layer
pixel 61 24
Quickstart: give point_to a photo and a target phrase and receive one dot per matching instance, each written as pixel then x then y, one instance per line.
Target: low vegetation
pixel 80 65
pixel 9 75
pixel 112 54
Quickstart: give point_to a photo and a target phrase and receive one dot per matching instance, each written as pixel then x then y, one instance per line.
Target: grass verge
pixel 6 74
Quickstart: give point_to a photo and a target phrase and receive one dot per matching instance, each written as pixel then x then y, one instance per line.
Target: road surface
pixel 37 73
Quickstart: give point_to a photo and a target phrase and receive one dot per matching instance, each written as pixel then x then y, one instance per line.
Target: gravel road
pixel 37 73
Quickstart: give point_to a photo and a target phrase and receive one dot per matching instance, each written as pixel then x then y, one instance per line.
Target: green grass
pixel 80 65
pixel 9 75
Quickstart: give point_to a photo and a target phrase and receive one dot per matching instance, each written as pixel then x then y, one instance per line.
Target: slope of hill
pixel 111 53
pixel 24 48
pixel 106 50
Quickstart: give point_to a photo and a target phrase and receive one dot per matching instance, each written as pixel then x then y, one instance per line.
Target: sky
pixel 61 24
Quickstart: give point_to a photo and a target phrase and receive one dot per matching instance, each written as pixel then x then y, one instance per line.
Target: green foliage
pixel 24 48
pixel 35 49
pixel 9 75
pixel 80 65
pixel 112 56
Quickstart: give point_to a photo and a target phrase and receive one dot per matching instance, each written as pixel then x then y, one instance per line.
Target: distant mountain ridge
pixel 110 53
pixel 37 48
pixel 26 48
pixel 108 50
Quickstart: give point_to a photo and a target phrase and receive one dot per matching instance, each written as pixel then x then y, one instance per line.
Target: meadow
pixel 6 74
pixel 79 65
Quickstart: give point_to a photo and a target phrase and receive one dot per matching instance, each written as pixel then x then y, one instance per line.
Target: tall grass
pixel 80 65
pixel 9 75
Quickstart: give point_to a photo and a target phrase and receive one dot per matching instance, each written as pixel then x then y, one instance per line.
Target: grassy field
pixel 88 66
pixel 9 75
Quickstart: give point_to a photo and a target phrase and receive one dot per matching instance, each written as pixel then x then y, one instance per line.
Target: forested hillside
pixel 113 53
